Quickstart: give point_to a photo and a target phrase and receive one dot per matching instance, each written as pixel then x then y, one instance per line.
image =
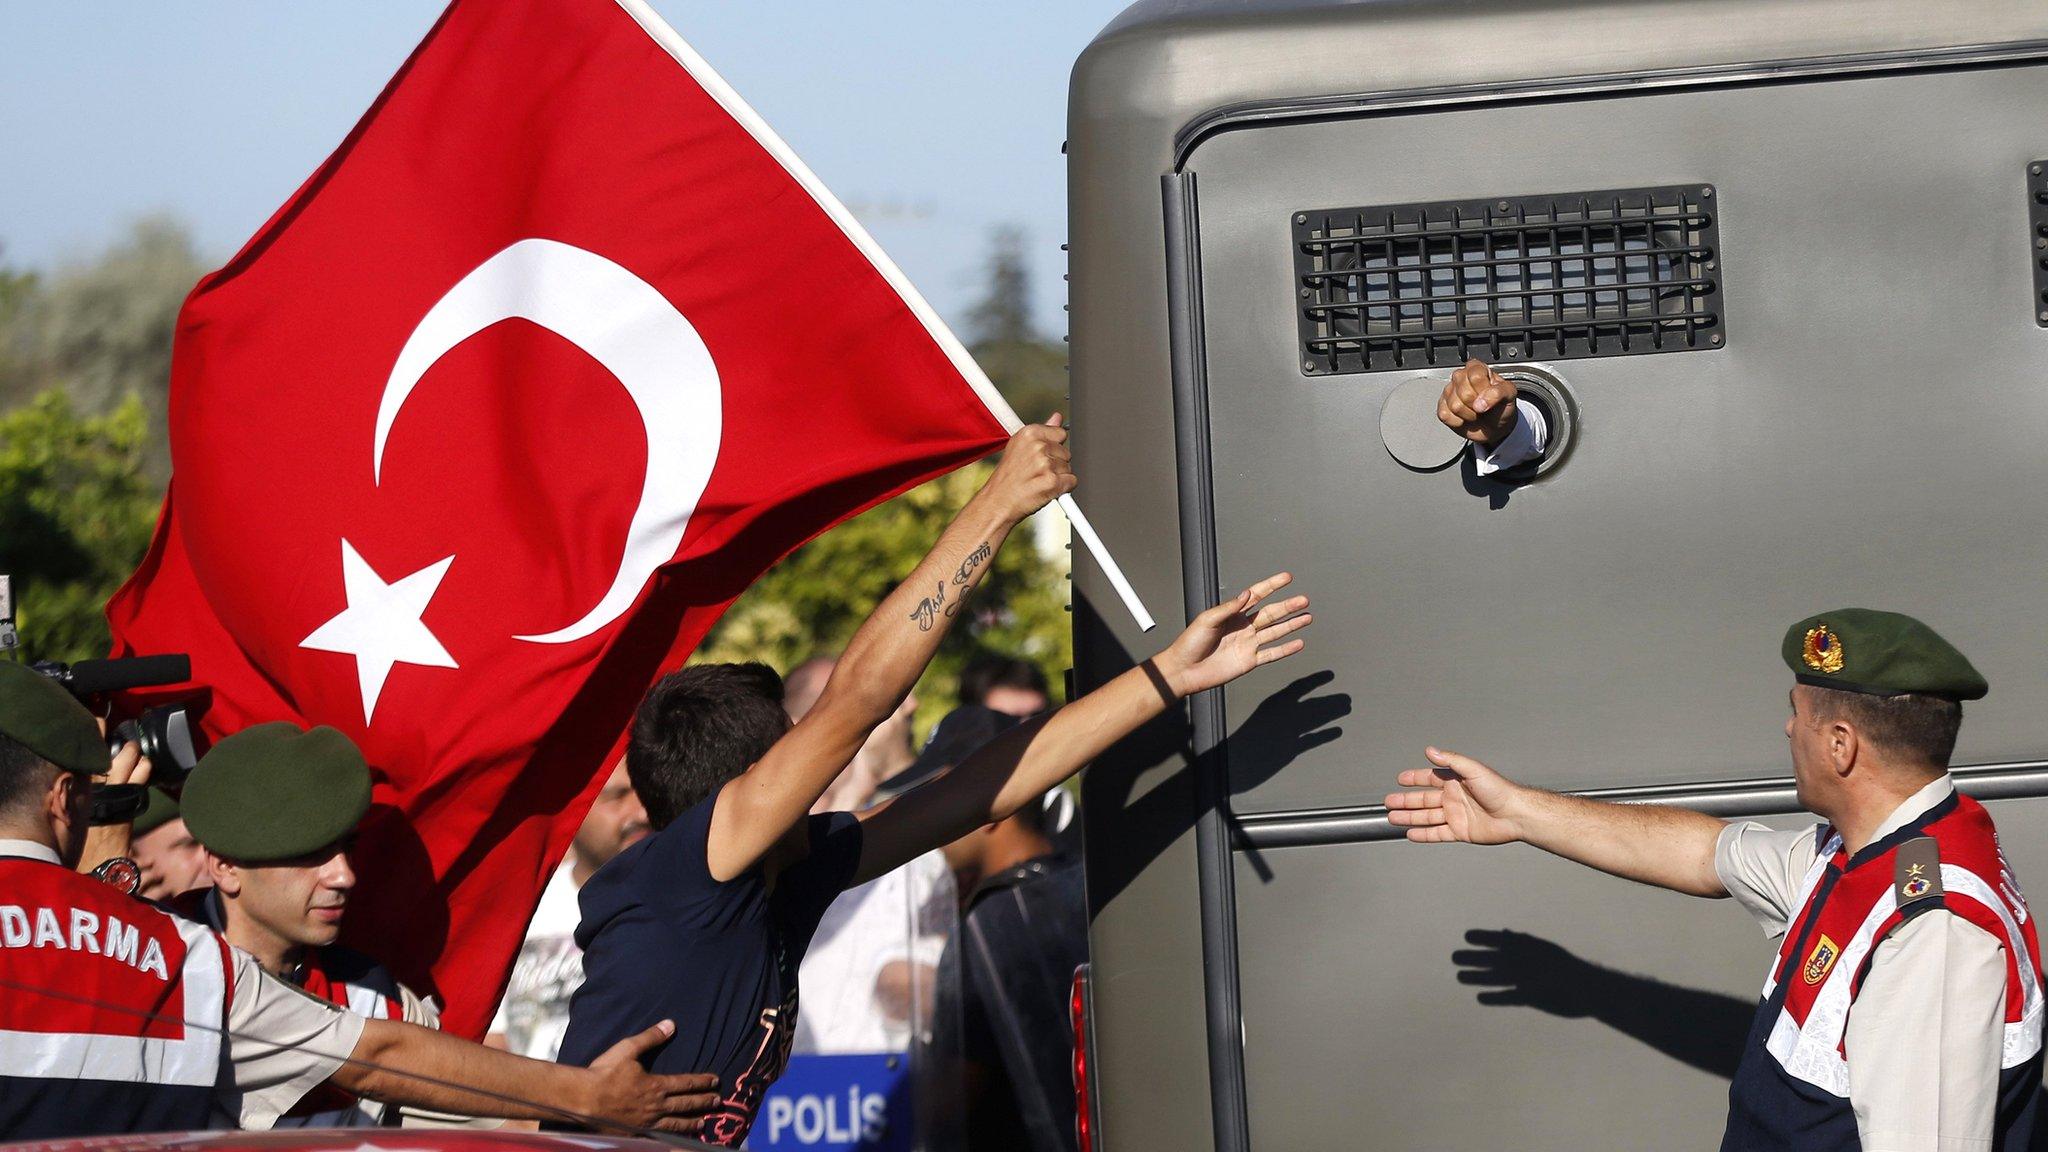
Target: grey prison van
pixel 1778 272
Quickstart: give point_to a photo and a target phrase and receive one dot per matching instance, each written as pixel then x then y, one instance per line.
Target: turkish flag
pixel 557 353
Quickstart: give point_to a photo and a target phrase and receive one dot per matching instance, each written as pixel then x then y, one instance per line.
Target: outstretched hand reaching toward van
pixel 1464 801
pixel 1226 641
pixel 1460 800
pixel 1031 759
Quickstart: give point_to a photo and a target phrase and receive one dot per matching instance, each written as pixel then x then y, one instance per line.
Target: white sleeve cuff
pixel 1523 443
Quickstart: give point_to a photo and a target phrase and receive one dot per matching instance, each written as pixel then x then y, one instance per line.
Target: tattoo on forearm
pixel 964 575
pixel 926 614
pixel 974 561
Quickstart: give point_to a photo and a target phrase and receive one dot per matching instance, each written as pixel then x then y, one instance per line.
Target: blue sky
pixel 937 120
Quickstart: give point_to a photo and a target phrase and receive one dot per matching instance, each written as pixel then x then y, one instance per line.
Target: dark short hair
pixel 984 674
pixel 24 776
pixel 1906 727
pixel 698 728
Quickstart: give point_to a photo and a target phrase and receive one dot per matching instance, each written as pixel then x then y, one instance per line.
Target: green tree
pixel 76 511
pixel 102 330
pixel 1029 370
pixel 17 354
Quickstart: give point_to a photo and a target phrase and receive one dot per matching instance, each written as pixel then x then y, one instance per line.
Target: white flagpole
pixel 651 22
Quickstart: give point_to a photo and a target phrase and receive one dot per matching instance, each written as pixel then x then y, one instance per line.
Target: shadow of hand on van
pixel 1702 1029
pixel 1284 725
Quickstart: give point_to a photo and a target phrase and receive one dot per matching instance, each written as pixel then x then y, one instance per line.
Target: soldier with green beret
pixel 1905 1007
pixel 89 970
pixel 275 810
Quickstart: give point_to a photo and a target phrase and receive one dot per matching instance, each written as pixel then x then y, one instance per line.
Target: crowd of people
pixel 178 967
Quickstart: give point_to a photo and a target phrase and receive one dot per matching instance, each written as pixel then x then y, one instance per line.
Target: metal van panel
pixel 1359 1033
pixel 1145 933
pixel 1150 1062
pixel 1170 62
pixel 1869 435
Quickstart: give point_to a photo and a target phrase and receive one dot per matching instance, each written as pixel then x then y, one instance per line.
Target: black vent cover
pixel 1555 277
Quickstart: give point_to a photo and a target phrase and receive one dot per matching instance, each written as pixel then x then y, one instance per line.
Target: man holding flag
pixel 480 433
pixel 732 884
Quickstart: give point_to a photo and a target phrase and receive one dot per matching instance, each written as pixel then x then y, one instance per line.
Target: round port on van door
pixel 1414 436
pixel 1542 387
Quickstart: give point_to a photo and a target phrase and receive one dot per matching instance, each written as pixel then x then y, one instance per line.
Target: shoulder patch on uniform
pixel 1916 870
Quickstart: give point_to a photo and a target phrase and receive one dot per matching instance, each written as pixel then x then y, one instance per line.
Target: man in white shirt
pixel 1904 1012
pixel 872 964
pixel 535 1008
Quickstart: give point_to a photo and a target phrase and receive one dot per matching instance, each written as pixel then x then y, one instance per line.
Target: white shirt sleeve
pixel 1523 443
pixel 281 1044
pixel 1925 1038
pixel 1762 868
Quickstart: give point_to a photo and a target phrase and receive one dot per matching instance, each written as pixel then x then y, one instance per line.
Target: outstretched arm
pixel 1463 800
pixel 886 656
pixel 1024 763
pixel 418 1067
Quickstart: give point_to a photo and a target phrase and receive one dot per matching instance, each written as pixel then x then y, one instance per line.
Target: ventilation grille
pixel 1534 278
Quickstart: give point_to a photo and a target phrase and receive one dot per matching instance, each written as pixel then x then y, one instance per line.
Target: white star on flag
pixel 381 625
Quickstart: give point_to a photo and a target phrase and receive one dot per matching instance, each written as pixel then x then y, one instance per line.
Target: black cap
pixel 953 739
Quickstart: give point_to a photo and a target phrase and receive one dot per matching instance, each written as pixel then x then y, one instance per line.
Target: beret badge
pixel 1823 651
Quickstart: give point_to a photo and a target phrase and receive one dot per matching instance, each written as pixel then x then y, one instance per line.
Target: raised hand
pixel 1459 800
pixel 1037 468
pixel 1478 404
pixel 630 1095
pixel 1232 638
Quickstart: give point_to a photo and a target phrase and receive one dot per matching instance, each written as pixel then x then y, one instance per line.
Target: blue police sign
pixel 851 1103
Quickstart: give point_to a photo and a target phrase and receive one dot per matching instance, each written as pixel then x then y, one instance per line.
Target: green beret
pixel 272 792
pixel 38 714
pixel 159 808
pixel 1881 653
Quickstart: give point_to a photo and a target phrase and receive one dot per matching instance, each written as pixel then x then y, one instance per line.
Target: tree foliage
pixel 102 330
pixel 85 356
pixel 1030 370
pixel 76 511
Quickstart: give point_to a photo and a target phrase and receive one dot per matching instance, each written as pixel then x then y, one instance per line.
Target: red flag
pixel 551 358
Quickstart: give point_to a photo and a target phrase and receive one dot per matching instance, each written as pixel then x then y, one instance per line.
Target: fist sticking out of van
pixel 1479 404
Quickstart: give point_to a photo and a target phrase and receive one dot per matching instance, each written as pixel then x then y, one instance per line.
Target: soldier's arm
pixel 417 1067
pixel 1464 801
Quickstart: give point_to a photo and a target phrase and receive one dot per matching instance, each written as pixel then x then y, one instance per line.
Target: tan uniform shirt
pixel 280 1042
pixel 1925 1037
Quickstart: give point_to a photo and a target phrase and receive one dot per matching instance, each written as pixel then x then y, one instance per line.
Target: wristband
pixel 118 803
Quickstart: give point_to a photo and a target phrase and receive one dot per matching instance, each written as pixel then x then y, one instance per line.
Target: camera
pixel 168 733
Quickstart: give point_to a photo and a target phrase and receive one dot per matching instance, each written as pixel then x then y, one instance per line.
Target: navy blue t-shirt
pixel 662 940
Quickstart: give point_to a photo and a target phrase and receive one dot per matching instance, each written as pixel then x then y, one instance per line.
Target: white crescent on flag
pixel 623 323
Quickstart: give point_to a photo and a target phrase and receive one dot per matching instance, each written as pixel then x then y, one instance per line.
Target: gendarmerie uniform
pixel 269 794
pixel 346 979
pixel 1904 1008
pixel 116 1016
